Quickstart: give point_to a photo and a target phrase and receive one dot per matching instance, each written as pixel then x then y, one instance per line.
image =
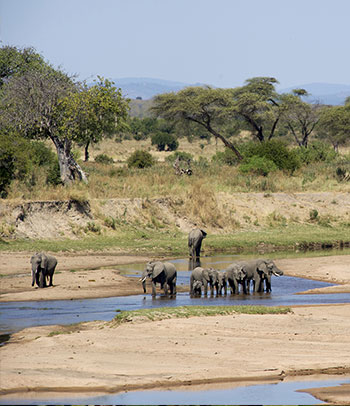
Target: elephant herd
pixel 238 276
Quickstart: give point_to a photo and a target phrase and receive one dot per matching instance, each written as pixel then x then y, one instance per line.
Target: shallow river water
pixel 15 316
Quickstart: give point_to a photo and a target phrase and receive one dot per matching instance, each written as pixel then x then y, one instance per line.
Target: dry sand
pixel 99 357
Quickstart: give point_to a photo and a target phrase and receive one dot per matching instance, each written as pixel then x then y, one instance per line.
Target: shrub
pixel 316 152
pixel 104 159
pixel 140 159
pixel 183 156
pixel 258 165
pixel 227 157
pixel 165 140
pixel 275 151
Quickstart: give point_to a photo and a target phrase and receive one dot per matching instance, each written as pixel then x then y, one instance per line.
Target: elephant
pixel 222 283
pixel 195 239
pixel 258 272
pixel 205 276
pixel 160 272
pixel 197 288
pixel 43 267
pixel 236 275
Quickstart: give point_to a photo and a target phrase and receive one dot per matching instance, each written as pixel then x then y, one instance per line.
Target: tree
pixel 47 103
pixel 301 117
pixel 205 106
pixel 92 113
pixel 257 104
pixel 335 124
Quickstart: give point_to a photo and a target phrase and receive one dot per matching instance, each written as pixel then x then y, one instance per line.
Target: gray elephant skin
pixel 43 267
pixel 259 272
pixel 160 272
pixel 205 276
pixel 195 239
pixel 236 276
pixel 197 288
pixel 222 283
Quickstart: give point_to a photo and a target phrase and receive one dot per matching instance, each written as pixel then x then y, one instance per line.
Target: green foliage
pixel 103 159
pixel 183 156
pixel 140 159
pixel 21 158
pixel 275 151
pixel 227 157
pixel 258 165
pixel 165 141
pixel 316 152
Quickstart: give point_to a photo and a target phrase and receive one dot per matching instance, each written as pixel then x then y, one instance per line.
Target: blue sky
pixel 218 42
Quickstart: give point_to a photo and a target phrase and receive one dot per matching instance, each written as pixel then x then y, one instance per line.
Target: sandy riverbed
pixel 98 357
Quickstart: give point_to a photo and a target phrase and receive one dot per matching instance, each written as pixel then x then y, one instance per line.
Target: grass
pixel 192 311
pixel 141 241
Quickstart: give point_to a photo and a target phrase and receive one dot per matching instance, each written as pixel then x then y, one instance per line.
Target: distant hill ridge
pixel 146 88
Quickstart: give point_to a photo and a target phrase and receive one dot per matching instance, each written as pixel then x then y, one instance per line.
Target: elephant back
pixel 170 270
pixel 197 273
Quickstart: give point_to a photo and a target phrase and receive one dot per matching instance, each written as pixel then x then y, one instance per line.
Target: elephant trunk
pixel 143 281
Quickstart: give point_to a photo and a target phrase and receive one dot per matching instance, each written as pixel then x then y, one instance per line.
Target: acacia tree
pixel 300 117
pixel 259 105
pixel 207 107
pixel 47 103
pixel 335 124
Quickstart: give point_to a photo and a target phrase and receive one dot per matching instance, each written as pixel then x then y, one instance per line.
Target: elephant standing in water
pixel 197 288
pixel 195 239
pixel 258 272
pixel 236 275
pixel 160 272
pixel 205 276
pixel 43 267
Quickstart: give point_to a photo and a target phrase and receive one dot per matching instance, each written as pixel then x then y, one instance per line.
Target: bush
pixel 258 165
pixel 140 159
pixel 183 156
pixel 165 140
pixel 227 157
pixel 274 151
pixel 104 159
pixel 316 152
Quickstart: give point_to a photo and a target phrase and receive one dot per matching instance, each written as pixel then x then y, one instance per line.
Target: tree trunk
pixel 87 151
pixel 69 169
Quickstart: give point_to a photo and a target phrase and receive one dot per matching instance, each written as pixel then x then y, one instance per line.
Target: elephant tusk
pixel 276 274
pixel 143 279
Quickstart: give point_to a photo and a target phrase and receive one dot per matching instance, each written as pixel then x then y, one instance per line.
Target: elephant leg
pixel 205 289
pixel 153 288
pixel 51 276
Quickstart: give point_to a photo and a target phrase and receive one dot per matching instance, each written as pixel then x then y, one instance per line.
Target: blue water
pixel 15 316
pixel 282 393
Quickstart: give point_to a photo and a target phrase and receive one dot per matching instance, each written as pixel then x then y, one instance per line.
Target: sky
pixel 216 42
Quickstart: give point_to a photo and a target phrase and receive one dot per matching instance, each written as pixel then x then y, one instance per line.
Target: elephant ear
pixel 204 233
pixel 44 260
pixel 206 275
pixel 262 267
pixel 157 270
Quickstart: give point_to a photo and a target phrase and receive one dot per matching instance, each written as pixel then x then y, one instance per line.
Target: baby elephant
pixel 197 288
pixel 43 267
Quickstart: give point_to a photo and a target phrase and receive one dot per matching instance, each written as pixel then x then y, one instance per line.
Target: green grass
pixel 139 241
pixel 193 311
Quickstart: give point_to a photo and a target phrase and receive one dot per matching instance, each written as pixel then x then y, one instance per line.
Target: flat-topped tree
pixel 208 107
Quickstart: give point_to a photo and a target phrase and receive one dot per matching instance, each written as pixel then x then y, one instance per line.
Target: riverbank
pixel 80 276
pixel 100 357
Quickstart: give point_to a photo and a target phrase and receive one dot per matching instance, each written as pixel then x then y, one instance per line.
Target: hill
pixel 146 88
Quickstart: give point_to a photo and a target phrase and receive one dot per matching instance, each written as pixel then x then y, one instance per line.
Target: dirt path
pixel 98 357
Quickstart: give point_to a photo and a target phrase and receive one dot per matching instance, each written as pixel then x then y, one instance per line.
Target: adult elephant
pixel 195 239
pixel 160 272
pixel 260 271
pixel 236 275
pixel 205 276
pixel 43 267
